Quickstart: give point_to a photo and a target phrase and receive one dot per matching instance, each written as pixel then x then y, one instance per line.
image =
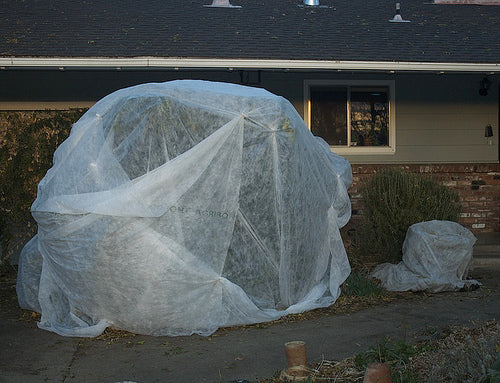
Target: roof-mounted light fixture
pixel 222 4
pixel 397 17
pixel 312 4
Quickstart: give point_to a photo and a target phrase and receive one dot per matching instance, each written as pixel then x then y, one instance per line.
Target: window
pixel 355 117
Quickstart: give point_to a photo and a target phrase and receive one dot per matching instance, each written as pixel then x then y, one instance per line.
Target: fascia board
pixel 201 63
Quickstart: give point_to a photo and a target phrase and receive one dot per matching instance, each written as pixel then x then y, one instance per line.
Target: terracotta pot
pixel 377 373
pixel 295 374
pixel 295 354
pixel 296 362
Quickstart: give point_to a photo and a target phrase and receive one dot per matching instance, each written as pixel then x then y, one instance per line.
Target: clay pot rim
pixel 286 374
pixel 295 343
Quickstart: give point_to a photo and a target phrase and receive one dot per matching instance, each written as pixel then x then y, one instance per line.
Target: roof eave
pixel 224 63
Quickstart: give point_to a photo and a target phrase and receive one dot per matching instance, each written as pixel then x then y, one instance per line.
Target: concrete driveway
pixel 28 354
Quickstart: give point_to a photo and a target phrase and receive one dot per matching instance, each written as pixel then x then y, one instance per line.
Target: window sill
pixel 354 151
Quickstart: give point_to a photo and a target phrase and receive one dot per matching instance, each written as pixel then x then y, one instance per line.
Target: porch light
pixel 484 86
pixel 488 133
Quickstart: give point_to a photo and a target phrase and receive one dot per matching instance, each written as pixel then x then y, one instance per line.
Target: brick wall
pixel 477 184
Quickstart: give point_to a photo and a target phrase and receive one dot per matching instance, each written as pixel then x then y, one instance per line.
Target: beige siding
pixel 445 154
pixel 439 117
pixel 44 105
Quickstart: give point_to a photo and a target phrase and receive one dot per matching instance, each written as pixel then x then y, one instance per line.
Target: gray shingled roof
pixel 347 30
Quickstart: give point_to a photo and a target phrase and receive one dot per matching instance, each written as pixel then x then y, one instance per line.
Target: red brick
pixel 484 203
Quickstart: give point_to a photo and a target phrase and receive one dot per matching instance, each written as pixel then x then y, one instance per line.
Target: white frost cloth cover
pixel 437 256
pixel 181 207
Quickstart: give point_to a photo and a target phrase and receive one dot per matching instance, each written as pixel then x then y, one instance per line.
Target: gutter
pixel 228 64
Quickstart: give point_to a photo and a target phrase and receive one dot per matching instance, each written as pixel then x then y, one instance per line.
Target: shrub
pixel 466 354
pixel 27 143
pixel 360 284
pixel 394 200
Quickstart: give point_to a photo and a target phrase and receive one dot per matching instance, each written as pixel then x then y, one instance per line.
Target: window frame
pixel 349 84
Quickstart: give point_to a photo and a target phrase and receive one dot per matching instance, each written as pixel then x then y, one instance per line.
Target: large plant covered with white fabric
pixel 181 207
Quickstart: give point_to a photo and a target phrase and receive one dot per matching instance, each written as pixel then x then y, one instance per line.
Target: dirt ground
pixel 254 352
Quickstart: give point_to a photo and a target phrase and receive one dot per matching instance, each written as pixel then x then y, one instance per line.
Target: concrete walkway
pixel 28 354
pixel 487 249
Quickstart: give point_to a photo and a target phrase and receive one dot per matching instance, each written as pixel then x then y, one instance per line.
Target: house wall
pixel 439 118
pixel 478 186
pixel 440 121
pixel 45 86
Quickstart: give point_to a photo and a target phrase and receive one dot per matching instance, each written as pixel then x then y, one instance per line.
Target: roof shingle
pixel 347 30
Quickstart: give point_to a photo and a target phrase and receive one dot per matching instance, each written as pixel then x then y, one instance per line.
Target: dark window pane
pixel 329 114
pixel 369 117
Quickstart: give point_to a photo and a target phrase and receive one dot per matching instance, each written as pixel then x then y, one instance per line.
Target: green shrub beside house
pixel 28 140
pixel 395 199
